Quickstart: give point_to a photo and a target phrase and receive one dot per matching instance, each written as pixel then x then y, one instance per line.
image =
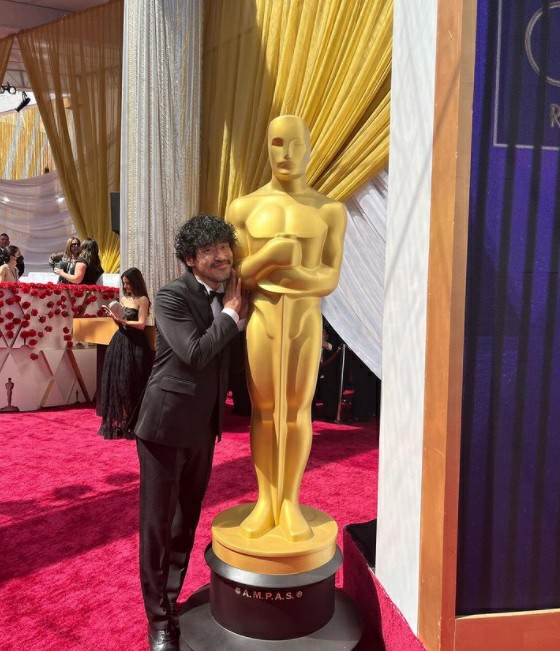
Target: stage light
pixel 24 102
pixel 8 88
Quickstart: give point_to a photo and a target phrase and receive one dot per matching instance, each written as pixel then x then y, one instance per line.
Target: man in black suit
pixel 181 413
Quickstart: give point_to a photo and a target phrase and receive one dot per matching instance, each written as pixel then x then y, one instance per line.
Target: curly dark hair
pixel 199 232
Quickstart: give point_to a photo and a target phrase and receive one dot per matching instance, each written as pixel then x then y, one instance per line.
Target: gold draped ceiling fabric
pixel 75 70
pixel 328 61
pixel 5 51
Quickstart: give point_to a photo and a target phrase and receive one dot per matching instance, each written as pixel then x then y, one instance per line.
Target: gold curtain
pixel 24 146
pixel 75 70
pixel 328 61
pixel 5 51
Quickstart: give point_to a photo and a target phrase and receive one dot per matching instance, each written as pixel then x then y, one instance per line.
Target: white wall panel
pixel 404 321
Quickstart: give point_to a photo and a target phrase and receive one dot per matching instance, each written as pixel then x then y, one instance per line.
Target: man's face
pixel 212 264
pixel 4 241
pixel 288 148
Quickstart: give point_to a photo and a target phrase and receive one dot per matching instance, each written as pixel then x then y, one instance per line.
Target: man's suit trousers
pixel 173 482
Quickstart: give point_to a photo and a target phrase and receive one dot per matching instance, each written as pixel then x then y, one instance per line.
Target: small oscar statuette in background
pixel 9 391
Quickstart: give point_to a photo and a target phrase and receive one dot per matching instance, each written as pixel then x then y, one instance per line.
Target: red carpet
pixel 68 522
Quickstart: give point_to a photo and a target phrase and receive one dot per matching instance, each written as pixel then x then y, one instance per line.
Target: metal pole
pixel 341 388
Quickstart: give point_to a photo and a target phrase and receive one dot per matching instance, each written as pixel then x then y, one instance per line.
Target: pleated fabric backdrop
pixel 24 146
pixel 5 51
pixel 35 215
pixel 160 134
pixel 355 308
pixel 328 61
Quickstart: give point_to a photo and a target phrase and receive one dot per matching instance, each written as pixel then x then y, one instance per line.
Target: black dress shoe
pixel 164 639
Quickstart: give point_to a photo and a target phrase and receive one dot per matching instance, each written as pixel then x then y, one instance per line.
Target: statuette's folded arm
pixel 278 253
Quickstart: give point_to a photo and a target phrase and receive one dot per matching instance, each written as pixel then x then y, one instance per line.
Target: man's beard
pixel 219 279
pixel 225 277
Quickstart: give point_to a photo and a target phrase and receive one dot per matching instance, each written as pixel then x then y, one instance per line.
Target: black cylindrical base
pixel 201 632
pixel 271 606
pixel 246 610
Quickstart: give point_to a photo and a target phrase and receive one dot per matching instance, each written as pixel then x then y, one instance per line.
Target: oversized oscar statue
pixel 273 562
pixel 289 254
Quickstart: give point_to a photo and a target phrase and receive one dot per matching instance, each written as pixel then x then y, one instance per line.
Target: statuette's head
pixel 289 147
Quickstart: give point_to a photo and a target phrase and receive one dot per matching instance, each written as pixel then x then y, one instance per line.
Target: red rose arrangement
pixel 26 320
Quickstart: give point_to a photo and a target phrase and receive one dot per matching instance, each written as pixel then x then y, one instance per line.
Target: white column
pixel 404 319
pixel 160 132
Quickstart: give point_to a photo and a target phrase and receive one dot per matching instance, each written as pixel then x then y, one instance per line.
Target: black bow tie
pixel 212 295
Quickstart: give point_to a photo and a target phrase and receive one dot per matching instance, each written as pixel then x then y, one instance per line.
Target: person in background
pixel 328 380
pixel 365 398
pixel 128 360
pixel 88 267
pixel 9 270
pixel 66 260
pixel 5 242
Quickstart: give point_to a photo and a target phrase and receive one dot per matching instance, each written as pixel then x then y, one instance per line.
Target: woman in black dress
pixel 88 269
pixel 128 361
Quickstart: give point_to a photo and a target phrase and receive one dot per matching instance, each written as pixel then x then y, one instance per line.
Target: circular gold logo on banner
pixel 528 38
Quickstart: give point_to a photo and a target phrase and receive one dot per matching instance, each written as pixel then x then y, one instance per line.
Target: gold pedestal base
pixel 272 553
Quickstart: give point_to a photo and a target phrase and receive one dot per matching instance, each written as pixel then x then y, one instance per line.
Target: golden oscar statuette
pixel 289 253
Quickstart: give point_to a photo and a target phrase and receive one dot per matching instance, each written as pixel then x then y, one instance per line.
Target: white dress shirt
pixel 217 308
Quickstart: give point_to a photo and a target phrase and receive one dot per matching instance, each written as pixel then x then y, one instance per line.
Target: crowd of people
pixel 79 263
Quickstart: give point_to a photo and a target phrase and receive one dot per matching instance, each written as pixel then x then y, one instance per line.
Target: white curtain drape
pixel 355 308
pixel 160 132
pixel 34 214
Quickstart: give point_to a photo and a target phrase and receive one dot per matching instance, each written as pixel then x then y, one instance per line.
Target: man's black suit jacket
pixel 184 399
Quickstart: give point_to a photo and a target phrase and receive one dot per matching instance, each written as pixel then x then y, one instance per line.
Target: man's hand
pixel 233 297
